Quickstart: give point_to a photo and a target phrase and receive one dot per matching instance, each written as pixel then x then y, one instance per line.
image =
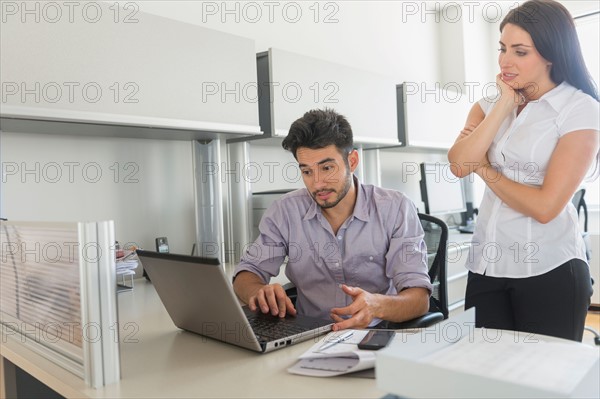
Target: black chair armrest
pixel 291 291
pixel 426 320
pixel 289 287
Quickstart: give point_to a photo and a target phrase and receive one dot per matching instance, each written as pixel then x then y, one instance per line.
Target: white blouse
pixel 507 243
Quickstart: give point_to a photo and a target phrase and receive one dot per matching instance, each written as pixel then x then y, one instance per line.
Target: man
pixel 355 252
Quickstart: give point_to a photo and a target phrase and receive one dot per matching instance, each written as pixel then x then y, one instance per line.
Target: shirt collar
pixel 361 208
pixel 558 96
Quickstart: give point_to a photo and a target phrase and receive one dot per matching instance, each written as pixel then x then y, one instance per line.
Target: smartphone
pixel 376 339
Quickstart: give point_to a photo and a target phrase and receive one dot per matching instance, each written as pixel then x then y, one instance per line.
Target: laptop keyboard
pixel 271 327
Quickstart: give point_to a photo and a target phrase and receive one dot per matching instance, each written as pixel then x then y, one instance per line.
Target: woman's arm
pixel 471 146
pixel 568 165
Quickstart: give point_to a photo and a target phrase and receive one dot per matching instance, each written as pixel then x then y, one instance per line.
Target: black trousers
pixel 554 303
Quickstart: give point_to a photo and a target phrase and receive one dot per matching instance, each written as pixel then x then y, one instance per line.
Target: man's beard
pixel 340 197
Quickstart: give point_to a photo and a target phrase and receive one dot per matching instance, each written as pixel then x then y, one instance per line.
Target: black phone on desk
pixel 376 339
pixel 162 245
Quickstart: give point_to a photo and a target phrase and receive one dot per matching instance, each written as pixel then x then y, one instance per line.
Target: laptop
pixel 199 298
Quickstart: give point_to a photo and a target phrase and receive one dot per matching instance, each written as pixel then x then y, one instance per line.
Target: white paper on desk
pixel 553 366
pixel 126 264
pixel 341 358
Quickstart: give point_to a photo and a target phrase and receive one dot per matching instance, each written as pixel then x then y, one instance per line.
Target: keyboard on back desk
pixel 468 229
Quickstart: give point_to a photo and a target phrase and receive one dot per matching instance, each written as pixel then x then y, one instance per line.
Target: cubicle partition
pixel 58 295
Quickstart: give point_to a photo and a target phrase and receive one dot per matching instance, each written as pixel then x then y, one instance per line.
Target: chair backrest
pixel 579 203
pixel 436 238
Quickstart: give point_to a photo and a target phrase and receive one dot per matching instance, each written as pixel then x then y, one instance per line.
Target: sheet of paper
pixel 325 367
pixel 341 358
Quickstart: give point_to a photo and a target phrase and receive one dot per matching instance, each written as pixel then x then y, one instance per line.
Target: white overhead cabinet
pixel 123 73
pixel 431 116
pixel 291 84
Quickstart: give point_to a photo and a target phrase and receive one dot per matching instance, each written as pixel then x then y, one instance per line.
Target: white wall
pixel 145 186
pixel 401 171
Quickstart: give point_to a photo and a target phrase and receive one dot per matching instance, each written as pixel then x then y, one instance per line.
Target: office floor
pixel 592 320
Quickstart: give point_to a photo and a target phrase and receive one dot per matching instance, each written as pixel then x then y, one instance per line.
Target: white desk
pixel 159 360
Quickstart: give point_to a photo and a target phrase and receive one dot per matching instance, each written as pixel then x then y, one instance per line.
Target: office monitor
pixel 441 191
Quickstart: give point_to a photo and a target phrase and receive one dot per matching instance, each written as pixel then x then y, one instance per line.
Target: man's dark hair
pixel 319 129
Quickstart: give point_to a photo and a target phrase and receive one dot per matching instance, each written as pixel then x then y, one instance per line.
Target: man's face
pixel 325 174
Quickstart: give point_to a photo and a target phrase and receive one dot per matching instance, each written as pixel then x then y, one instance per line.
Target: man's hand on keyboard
pixel 272 299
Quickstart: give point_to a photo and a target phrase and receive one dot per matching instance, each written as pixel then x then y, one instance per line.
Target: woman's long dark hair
pixel 552 30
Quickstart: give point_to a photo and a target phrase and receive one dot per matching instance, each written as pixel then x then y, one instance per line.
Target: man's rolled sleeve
pixel 407 255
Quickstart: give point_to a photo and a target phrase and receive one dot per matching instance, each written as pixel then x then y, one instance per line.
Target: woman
pixel 532 145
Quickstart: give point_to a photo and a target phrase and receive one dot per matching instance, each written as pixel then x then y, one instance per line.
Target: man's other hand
pixel 362 310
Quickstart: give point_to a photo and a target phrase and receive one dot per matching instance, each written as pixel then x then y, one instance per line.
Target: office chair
pixel 579 203
pixel 436 238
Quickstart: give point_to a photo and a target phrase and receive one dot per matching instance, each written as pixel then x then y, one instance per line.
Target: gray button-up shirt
pixel 379 248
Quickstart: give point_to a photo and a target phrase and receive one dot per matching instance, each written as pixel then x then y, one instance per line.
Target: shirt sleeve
pixel 487 103
pixel 265 256
pixel 407 255
pixel 582 114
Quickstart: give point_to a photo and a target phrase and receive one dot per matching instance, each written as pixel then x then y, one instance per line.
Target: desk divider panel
pixel 58 295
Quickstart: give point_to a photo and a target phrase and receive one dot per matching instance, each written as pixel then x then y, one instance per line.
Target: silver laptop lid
pixel 187 286
pixel 199 298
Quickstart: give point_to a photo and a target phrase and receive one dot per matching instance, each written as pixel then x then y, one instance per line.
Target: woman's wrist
pixel 509 101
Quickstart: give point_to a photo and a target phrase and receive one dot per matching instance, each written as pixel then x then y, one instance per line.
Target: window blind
pixel 58 294
pixel 40 284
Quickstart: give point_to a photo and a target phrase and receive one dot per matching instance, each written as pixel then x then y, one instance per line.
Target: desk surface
pixel 159 360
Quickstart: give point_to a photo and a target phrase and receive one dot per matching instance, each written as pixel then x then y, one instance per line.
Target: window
pixel 588 29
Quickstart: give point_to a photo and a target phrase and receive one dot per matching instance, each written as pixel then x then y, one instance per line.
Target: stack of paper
pixel 126 266
pixel 341 358
pixel 486 363
pixel 553 366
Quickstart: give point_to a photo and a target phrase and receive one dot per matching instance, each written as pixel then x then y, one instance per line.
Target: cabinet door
pixel 297 84
pixel 430 117
pixel 98 63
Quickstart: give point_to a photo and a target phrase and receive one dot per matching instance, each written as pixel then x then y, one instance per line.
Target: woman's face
pixel 522 67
